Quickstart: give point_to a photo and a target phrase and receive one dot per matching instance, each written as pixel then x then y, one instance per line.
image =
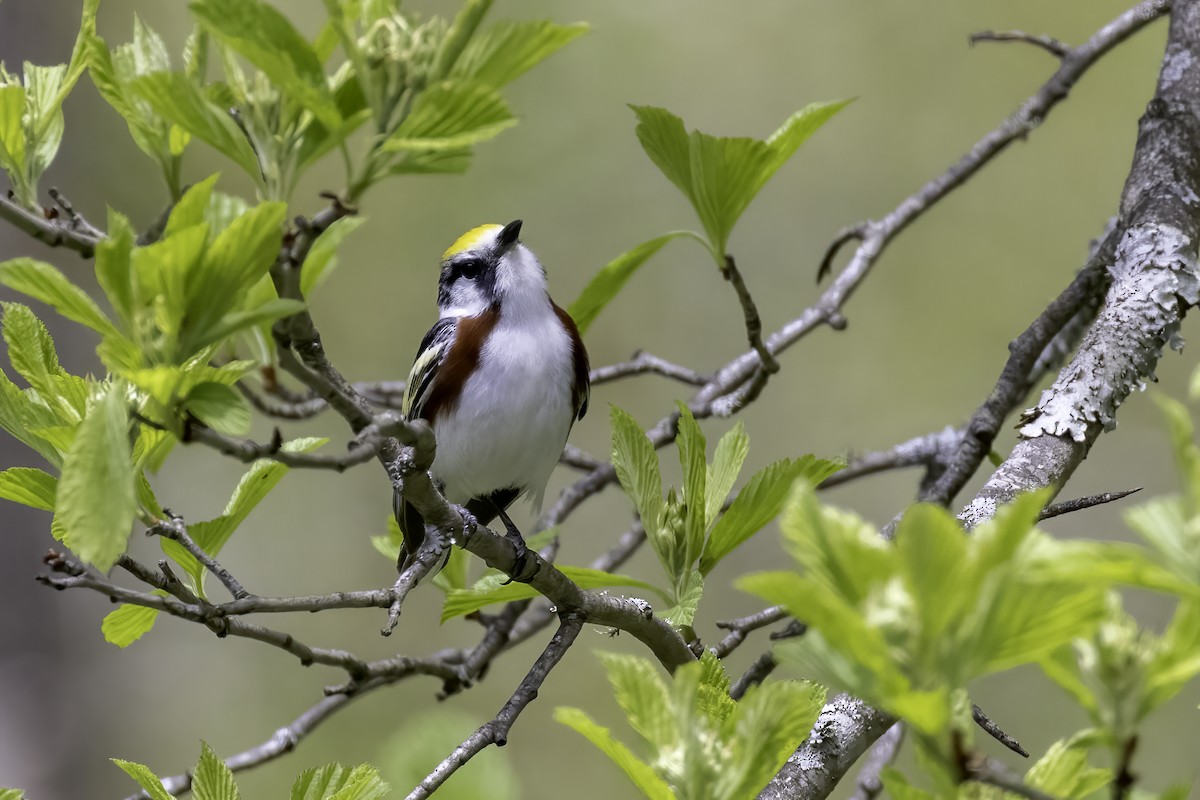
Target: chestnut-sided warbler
pixel 501 377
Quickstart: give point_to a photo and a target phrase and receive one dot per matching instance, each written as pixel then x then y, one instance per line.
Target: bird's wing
pixel 423 374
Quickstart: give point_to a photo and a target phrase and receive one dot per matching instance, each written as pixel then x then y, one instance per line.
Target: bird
pixel 501 377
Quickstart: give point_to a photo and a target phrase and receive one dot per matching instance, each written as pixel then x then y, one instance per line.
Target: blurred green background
pixel 926 339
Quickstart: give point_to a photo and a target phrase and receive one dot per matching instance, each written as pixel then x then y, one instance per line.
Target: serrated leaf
pixel 212 779
pixel 46 284
pixel 23 417
pixel 433 162
pixel 29 487
pixel 96 502
pixel 450 116
pixel 720 176
pixel 179 101
pixel 731 453
pixel 145 778
pixel 30 348
pixel 507 50
pixel 606 283
pixel 191 210
pixel 637 469
pixel 461 31
pixel 759 502
pixel 114 267
pixel 489 591
pixel 238 321
pixel 687 602
pixel 220 408
pixel 638 771
pixel 269 41
pixel 335 782
pixel 1064 772
pixel 643 696
pixel 770 723
pixel 129 622
pixel 322 256
pixel 692 462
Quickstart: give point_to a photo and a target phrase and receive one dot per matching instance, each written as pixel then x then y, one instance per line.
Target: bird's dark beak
pixel 509 233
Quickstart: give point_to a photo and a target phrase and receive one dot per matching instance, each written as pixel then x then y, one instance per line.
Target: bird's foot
pixel 470 525
pixel 521 560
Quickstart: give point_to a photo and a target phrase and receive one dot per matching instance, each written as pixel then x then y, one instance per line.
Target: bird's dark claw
pixel 470 524
pixel 521 561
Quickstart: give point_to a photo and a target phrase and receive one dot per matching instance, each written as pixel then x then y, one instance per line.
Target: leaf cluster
pixel 702 744
pixel 213 780
pixel 691 530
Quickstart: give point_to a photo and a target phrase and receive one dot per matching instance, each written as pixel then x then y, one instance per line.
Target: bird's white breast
pixel 515 411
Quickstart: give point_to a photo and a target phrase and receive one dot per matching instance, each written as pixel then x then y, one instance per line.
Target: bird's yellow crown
pixel 471 239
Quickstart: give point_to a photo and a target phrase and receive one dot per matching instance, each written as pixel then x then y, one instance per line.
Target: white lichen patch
pixel 1154 273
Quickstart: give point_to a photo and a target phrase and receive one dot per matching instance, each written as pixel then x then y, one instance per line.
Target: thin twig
pixel 1054 47
pixel 364 447
pixel 173 528
pixel 1068 506
pixel 641 363
pixel 869 784
pixel 77 220
pixel 578 458
pixel 53 232
pixel 996 774
pixel 496 730
pixel 739 629
pixel 995 731
pixel 929 451
pixel 763 666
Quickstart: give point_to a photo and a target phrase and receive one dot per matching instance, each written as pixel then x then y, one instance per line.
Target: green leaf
pixel 759 502
pixel 450 116
pixel 453 576
pixel 722 175
pixel 466 23
pixel 692 453
pixel 1064 772
pixel 29 487
pixel 322 256
pixel 221 408
pixel 1187 456
pixel 45 90
pixel 433 162
pixel 335 782
pixel 638 771
pixel 606 283
pixel 46 284
pixel 643 696
pixel 636 465
pixel 129 623
pixel 191 210
pixel 212 535
pixel 235 260
pixel 238 321
pixel 180 102
pixel 26 419
pixel 12 132
pixel 665 140
pixel 731 453
pixel 489 591
pixel 96 502
pixel 145 778
pixel 770 723
pixel 30 348
pixel 683 613
pixel 507 50
pixel 12 794
pixel 114 267
pixel 1175 662
pixel 269 41
pixel 212 779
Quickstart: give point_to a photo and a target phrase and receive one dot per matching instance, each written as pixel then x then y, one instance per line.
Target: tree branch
pixel 50 230
pixel 496 730
pixel 1053 46
pixel 641 363
pixel 881 755
pixel 1154 282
